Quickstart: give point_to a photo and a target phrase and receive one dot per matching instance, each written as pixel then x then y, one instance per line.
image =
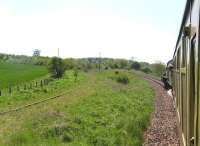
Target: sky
pixel 144 30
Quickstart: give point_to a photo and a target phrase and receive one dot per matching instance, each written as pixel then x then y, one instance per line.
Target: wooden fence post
pixel 30 86
pixel 18 88
pixel 10 89
pixel 41 83
pixel 45 80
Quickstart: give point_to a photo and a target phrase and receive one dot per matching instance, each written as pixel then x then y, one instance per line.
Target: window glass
pixel 193 43
pixel 184 48
pixel 178 58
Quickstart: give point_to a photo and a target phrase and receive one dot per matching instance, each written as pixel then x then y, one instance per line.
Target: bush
pixel 67 137
pixel 146 70
pixel 70 63
pixel 122 78
pixel 56 67
pixel 75 74
pixel 158 68
pixel 116 72
pixel 106 68
pixel 136 65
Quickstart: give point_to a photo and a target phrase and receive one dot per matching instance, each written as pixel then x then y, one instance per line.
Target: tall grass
pixel 101 112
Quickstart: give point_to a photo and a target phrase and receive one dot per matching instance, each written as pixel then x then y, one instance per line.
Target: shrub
pixel 75 74
pixel 106 68
pixel 70 63
pixel 67 137
pixel 158 68
pixel 136 65
pixel 116 72
pixel 146 70
pixel 56 67
pixel 122 78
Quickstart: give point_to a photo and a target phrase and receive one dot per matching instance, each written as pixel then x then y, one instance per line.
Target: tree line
pixel 58 65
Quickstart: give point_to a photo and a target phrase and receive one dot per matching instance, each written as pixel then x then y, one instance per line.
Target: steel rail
pixel 34 103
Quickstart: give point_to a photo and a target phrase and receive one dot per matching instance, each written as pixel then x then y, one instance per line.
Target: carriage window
pixel 178 58
pixel 193 42
pixel 174 62
pixel 184 48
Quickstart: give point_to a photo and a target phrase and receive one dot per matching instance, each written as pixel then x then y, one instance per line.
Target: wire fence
pixel 9 90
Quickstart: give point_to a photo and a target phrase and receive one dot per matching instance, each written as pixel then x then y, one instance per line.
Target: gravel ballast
pixel 163 130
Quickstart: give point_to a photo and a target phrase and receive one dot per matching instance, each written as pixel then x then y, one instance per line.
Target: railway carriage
pixel 185 75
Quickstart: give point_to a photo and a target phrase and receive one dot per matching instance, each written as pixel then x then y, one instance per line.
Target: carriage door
pixel 191 89
pixel 194 92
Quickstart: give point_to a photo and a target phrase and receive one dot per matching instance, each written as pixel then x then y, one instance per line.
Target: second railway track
pixel 57 96
pixel 34 103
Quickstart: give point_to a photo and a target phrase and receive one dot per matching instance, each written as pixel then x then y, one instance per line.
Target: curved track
pixel 34 103
pixel 154 80
pixel 164 130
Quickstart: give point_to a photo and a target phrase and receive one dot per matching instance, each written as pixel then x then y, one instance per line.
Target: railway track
pixel 16 109
pixel 149 78
pixel 60 95
pixel 34 103
pixel 154 80
pixel 164 129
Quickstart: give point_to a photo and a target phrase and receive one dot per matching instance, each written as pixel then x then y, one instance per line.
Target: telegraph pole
pixel 58 52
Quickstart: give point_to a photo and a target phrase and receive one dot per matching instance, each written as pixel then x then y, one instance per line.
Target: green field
pixel 11 74
pixel 97 111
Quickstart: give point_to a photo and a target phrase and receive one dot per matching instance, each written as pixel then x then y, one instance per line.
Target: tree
pixel 158 68
pixel 56 67
pixel 70 63
pixel 36 52
pixel 123 63
pixel 135 65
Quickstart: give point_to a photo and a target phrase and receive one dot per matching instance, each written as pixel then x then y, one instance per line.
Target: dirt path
pixel 163 130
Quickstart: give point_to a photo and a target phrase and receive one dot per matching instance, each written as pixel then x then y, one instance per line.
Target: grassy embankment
pixel 98 111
